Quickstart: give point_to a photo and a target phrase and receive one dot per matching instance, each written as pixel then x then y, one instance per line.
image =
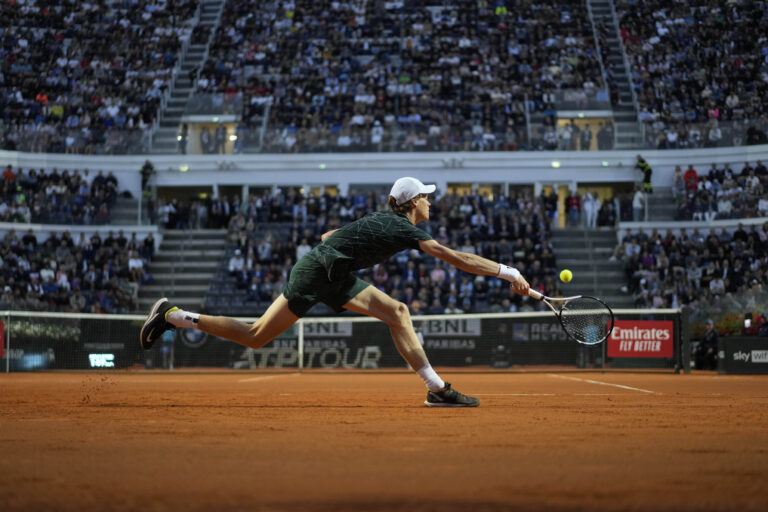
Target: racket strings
pixel 586 319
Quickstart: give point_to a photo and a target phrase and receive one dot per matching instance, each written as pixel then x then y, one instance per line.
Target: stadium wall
pixel 345 169
pixel 679 227
pixel 44 231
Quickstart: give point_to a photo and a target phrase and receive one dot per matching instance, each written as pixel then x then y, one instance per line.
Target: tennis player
pixel 326 274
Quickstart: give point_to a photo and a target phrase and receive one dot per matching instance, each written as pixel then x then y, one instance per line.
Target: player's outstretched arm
pixel 476 265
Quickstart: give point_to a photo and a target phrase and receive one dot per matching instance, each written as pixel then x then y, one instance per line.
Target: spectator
pixel 220 139
pixel 691 178
pixel 586 139
pixel 206 141
pixel 136 267
pixel 591 208
pixel 436 308
pixel 573 206
pixel 236 262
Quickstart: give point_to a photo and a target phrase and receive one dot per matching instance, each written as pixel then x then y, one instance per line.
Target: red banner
pixel 642 338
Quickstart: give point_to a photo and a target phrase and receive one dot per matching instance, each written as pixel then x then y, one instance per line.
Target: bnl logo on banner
pixel 458 327
pixel 328 329
pixel 448 334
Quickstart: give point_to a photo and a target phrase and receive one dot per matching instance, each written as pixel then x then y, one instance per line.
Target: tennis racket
pixel 585 319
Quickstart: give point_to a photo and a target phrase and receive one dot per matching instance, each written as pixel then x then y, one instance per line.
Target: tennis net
pixel 648 339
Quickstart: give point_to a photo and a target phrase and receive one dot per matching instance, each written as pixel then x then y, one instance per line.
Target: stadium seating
pixel 53 197
pixel 697 267
pixel 85 273
pixel 397 76
pixel 721 192
pixel 694 91
pixel 87 78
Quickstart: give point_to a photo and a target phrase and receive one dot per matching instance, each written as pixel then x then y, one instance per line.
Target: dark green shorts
pixel 309 284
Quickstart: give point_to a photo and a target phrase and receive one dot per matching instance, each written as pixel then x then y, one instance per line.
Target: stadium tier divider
pixel 641 340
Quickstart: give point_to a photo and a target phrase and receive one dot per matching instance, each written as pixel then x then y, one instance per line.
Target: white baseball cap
pixel 407 188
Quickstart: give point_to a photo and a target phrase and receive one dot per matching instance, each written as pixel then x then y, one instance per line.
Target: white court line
pixel 515 394
pixel 597 394
pixel 267 377
pixel 547 394
pixel 590 381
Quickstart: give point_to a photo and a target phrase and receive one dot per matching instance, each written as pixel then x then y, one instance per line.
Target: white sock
pixel 181 318
pixel 431 378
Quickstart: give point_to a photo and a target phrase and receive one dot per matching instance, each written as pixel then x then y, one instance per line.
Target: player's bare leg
pixel 272 323
pixel 275 320
pixel 373 302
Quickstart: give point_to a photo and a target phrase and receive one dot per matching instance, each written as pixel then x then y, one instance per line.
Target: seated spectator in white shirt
pixel 135 266
pixel 236 262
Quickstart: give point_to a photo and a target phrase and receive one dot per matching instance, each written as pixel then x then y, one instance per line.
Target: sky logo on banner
pixel 741 356
pixel 642 338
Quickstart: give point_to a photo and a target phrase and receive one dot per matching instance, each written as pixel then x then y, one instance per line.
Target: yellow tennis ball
pixel 566 275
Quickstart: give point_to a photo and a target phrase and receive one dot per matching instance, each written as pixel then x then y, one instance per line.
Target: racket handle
pixel 536 295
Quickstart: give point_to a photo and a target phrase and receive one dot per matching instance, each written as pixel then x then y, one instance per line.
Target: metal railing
pixel 627 67
pixel 598 49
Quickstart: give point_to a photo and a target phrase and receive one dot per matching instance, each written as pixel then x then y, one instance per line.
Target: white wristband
pixel 509 273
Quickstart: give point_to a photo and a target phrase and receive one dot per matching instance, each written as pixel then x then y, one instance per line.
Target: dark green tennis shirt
pixel 368 241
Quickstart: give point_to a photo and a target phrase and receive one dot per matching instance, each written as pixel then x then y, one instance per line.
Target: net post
pixel 300 327
pixel 685 339
pixel 7 341
pixel 605 353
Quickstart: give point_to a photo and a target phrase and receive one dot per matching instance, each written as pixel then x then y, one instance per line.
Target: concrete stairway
pixel 661 204
pixel 628 135
pixel 124 211
pixel 165 141
pixel 586 253
pixel 183 267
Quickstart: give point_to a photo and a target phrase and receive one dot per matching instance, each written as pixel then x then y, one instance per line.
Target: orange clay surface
pixel 154 441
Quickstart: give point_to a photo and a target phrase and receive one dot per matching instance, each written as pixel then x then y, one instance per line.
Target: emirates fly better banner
pixel 642 338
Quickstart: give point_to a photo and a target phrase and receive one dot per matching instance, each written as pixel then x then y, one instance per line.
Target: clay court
pixel 364 441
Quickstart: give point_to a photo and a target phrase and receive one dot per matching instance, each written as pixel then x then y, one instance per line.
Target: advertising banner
pixel 494 341
pixel 745 355
pixel 642 338
pixel 456 342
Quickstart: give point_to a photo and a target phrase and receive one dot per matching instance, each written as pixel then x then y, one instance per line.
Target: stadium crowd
pixel 721 192
pixel 382 76
pixel 696 268
pixel 61 273
pixel 698 71
pixel 57 198
pixel 399 76
pixel 87 77
pixel 270 233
